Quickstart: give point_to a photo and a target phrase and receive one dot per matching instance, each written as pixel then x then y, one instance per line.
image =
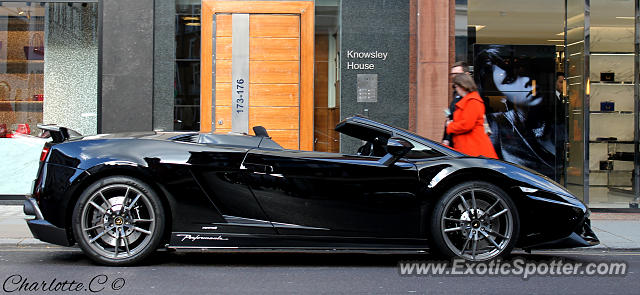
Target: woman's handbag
pixel 487 128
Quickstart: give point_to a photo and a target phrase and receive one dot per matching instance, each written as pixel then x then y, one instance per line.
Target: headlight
pixel 528 190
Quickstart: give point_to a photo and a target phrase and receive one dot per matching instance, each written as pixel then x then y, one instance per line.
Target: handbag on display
pixel 35 50
pixel 607 77
pixel 5 91
pixel 23 129
pixel 607 106
pixel 606 165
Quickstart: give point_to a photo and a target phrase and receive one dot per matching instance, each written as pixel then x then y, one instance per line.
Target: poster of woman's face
pixel 517 83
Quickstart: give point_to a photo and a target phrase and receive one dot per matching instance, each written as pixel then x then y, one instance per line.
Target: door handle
pixel 268 169
pixel 257 168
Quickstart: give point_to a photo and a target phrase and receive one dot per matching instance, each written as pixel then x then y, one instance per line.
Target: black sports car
pixel 122 196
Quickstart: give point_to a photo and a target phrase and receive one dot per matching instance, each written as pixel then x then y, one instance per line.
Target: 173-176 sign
pixel 240 74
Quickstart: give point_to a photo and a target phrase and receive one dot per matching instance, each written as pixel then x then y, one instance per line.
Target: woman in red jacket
pixel 467 126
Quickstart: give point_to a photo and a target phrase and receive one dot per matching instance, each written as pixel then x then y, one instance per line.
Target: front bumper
pixel 582 237
pixel 42 229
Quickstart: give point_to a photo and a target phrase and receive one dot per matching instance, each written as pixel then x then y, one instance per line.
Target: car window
pixel 421 151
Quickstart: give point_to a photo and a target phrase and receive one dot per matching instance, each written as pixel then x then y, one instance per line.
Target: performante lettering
pixel 198 237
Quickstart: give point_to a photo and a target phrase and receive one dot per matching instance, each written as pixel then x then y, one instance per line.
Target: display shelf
pixel 23 66
pixel 597 53
pixel 19 103
pixel 22 60
pixel 624 190
pixel 20 106
pixel 611 132
pixel 610 141
pixel 617 154
pixel 615 83
pixel 612 112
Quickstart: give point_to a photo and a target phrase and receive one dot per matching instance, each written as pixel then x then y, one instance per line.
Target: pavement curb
pixel 19 242
pixel 593 249
pixel 12 202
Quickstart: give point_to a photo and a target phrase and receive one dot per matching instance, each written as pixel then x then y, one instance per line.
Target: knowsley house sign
pixel 351 54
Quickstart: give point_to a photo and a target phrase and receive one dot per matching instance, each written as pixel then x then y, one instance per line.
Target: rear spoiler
pixel 58 133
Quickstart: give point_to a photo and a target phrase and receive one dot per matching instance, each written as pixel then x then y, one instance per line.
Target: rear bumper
pixel 582 237
pixel 42 229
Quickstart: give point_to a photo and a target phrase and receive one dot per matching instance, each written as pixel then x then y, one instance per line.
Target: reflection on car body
pixel 122 196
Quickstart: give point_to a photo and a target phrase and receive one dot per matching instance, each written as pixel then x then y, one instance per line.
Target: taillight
pixel 45 152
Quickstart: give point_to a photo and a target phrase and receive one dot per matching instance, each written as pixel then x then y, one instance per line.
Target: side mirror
pixel 396 149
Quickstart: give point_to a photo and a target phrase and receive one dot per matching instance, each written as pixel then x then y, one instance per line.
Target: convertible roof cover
pixel 367 129
pixel 364 128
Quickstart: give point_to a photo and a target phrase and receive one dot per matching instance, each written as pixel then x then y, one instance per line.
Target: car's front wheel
pixel 118 220
pixel 475 221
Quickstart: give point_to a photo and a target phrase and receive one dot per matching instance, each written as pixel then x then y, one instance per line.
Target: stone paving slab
pixel 615 216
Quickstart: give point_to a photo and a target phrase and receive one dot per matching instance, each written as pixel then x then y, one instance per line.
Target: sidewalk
pixel 616 231
pixel 13 228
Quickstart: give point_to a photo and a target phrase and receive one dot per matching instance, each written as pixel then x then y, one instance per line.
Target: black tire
pixel 475 221
pixel 118 220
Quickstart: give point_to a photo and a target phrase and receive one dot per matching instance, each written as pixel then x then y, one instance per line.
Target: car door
pixel 329 194
pixel 216 168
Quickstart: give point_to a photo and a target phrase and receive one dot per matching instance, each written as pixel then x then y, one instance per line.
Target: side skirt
pixel 200 240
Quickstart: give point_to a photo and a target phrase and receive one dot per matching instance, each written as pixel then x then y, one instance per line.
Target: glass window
pixel 610 108
pixel 422 151
pixel 327 76
pixel 22 70
pixel 48 66
pixel 515 49
pixel 187 66
pixel 48 55
pixel 48 74
pixel 575 87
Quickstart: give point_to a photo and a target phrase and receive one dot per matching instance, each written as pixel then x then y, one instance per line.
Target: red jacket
pixel 467 127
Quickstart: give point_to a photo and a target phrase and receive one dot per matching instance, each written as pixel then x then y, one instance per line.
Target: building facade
pixel 559 78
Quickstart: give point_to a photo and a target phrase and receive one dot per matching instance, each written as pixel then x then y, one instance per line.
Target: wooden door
pixel 279 92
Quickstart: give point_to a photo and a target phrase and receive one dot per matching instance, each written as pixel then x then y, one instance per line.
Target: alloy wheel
pixel 118 221
pixel 477 224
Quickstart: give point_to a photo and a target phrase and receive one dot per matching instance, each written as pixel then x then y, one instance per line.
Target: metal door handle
pixel 257 168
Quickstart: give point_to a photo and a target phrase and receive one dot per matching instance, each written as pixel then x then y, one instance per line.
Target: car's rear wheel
pixel 118 220
pixel 476 221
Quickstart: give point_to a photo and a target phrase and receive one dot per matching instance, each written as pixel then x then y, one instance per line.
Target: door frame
pixel 306 11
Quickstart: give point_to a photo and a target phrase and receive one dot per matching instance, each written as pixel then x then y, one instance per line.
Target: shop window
pixel 187 66
pixel 516 49
pixel 48 74
pixel 327 76
pixel 48 66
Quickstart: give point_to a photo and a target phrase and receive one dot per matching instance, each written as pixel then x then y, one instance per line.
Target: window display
pixel 21 69
pixel 48 74
pixel 517 83
pixel 592 148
